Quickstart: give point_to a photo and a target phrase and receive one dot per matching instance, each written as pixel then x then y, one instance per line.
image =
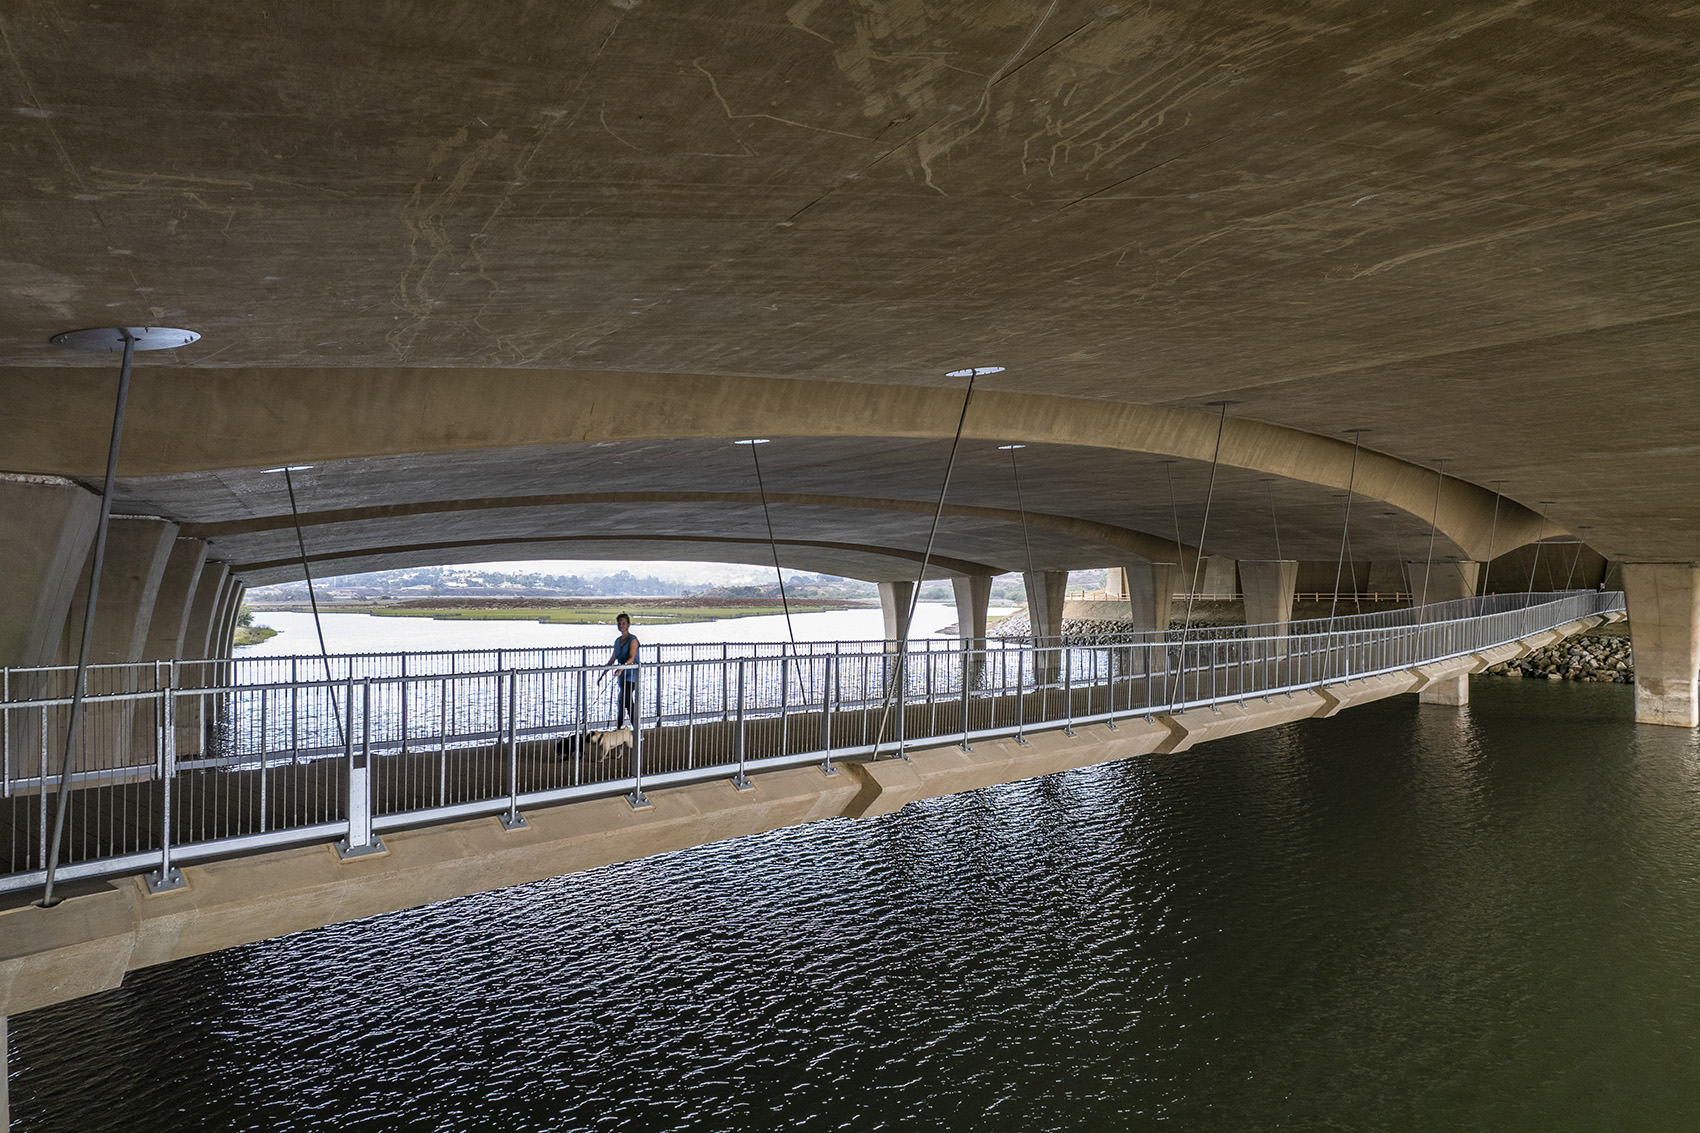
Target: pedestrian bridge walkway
pixel 215 803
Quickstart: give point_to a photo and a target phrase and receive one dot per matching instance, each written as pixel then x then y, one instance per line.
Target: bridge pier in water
pixel 1444 582
pixel 1664 620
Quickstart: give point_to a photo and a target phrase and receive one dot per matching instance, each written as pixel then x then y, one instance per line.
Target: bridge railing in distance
pixel 187 767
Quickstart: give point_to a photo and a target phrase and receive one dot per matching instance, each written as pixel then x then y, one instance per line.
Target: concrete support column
pixel 137 550
pixel 172 605
pixel 227 620
pixel 170 620
pixel 1046 592
pixel 1444 582
pixel 894 604
pixel 204 607
pixel 973 595
pixel 1664 630
pixel 1269 586
pixel 197 633
pixel 1217 579
pixel 47 528
pixel 1151 595
pixel 1150 592
pixel 1386 576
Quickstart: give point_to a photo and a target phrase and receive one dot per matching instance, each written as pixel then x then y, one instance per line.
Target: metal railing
pixel 192 760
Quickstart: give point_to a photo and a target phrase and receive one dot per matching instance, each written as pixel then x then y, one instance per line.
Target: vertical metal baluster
pixel 264 714
pixel 1021 695
pixel 739 780
pixel 828 690
pixel 692 670
pixel 168 876
pixel 1068 690
pixel 637 798
pixel 359 840
pixel 784 705
pixel 967 663
pixel 513 820
pixel 294 710
pixel 404 704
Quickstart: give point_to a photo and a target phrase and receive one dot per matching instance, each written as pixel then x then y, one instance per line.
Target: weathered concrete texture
pixel 137 550
pixel 1268 587
pixel 1664 626
pixel 46 528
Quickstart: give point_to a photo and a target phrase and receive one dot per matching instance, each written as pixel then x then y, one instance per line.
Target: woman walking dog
pixel 624 660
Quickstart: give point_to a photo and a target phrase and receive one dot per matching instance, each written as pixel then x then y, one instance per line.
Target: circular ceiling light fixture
pixel 975 372
pixel 754 441
pixel 1006 448
pixel 114 338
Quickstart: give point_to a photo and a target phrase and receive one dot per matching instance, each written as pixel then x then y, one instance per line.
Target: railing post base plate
pixel 741 782
pixel 637 800
pixel 828 769
pixel 345 851
pixel 170 882
pixel 514 821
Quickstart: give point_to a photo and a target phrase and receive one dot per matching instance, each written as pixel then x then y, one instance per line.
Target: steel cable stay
pixel 1535 565
pixel 1433 527
pixel 754 444
pixel 1346 526
pixel 312 594
pixel 128 340
pixel 926 558
pixel 1493 533
pixel 1026 542
pixel 1198 555
pixel 1162 600
pixel 1575 557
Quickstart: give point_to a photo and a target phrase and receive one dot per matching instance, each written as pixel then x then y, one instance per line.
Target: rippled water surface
pixel 1402 918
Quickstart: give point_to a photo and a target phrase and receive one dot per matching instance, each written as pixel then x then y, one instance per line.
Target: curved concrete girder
pixel 280 416
pixel 849 560
pixel 1139 543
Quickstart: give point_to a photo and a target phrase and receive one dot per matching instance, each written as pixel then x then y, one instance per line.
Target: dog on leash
pixel 595 745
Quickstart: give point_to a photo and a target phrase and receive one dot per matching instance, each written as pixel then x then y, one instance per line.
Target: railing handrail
pixel 1429 614
pixel 486 715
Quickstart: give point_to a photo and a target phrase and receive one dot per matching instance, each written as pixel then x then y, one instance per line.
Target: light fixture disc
pixel 1006 448
pixel 752 441
pixel 112 338
pixel 975 372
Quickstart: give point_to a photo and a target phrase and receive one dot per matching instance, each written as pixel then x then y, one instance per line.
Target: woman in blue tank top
pixel 625 657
